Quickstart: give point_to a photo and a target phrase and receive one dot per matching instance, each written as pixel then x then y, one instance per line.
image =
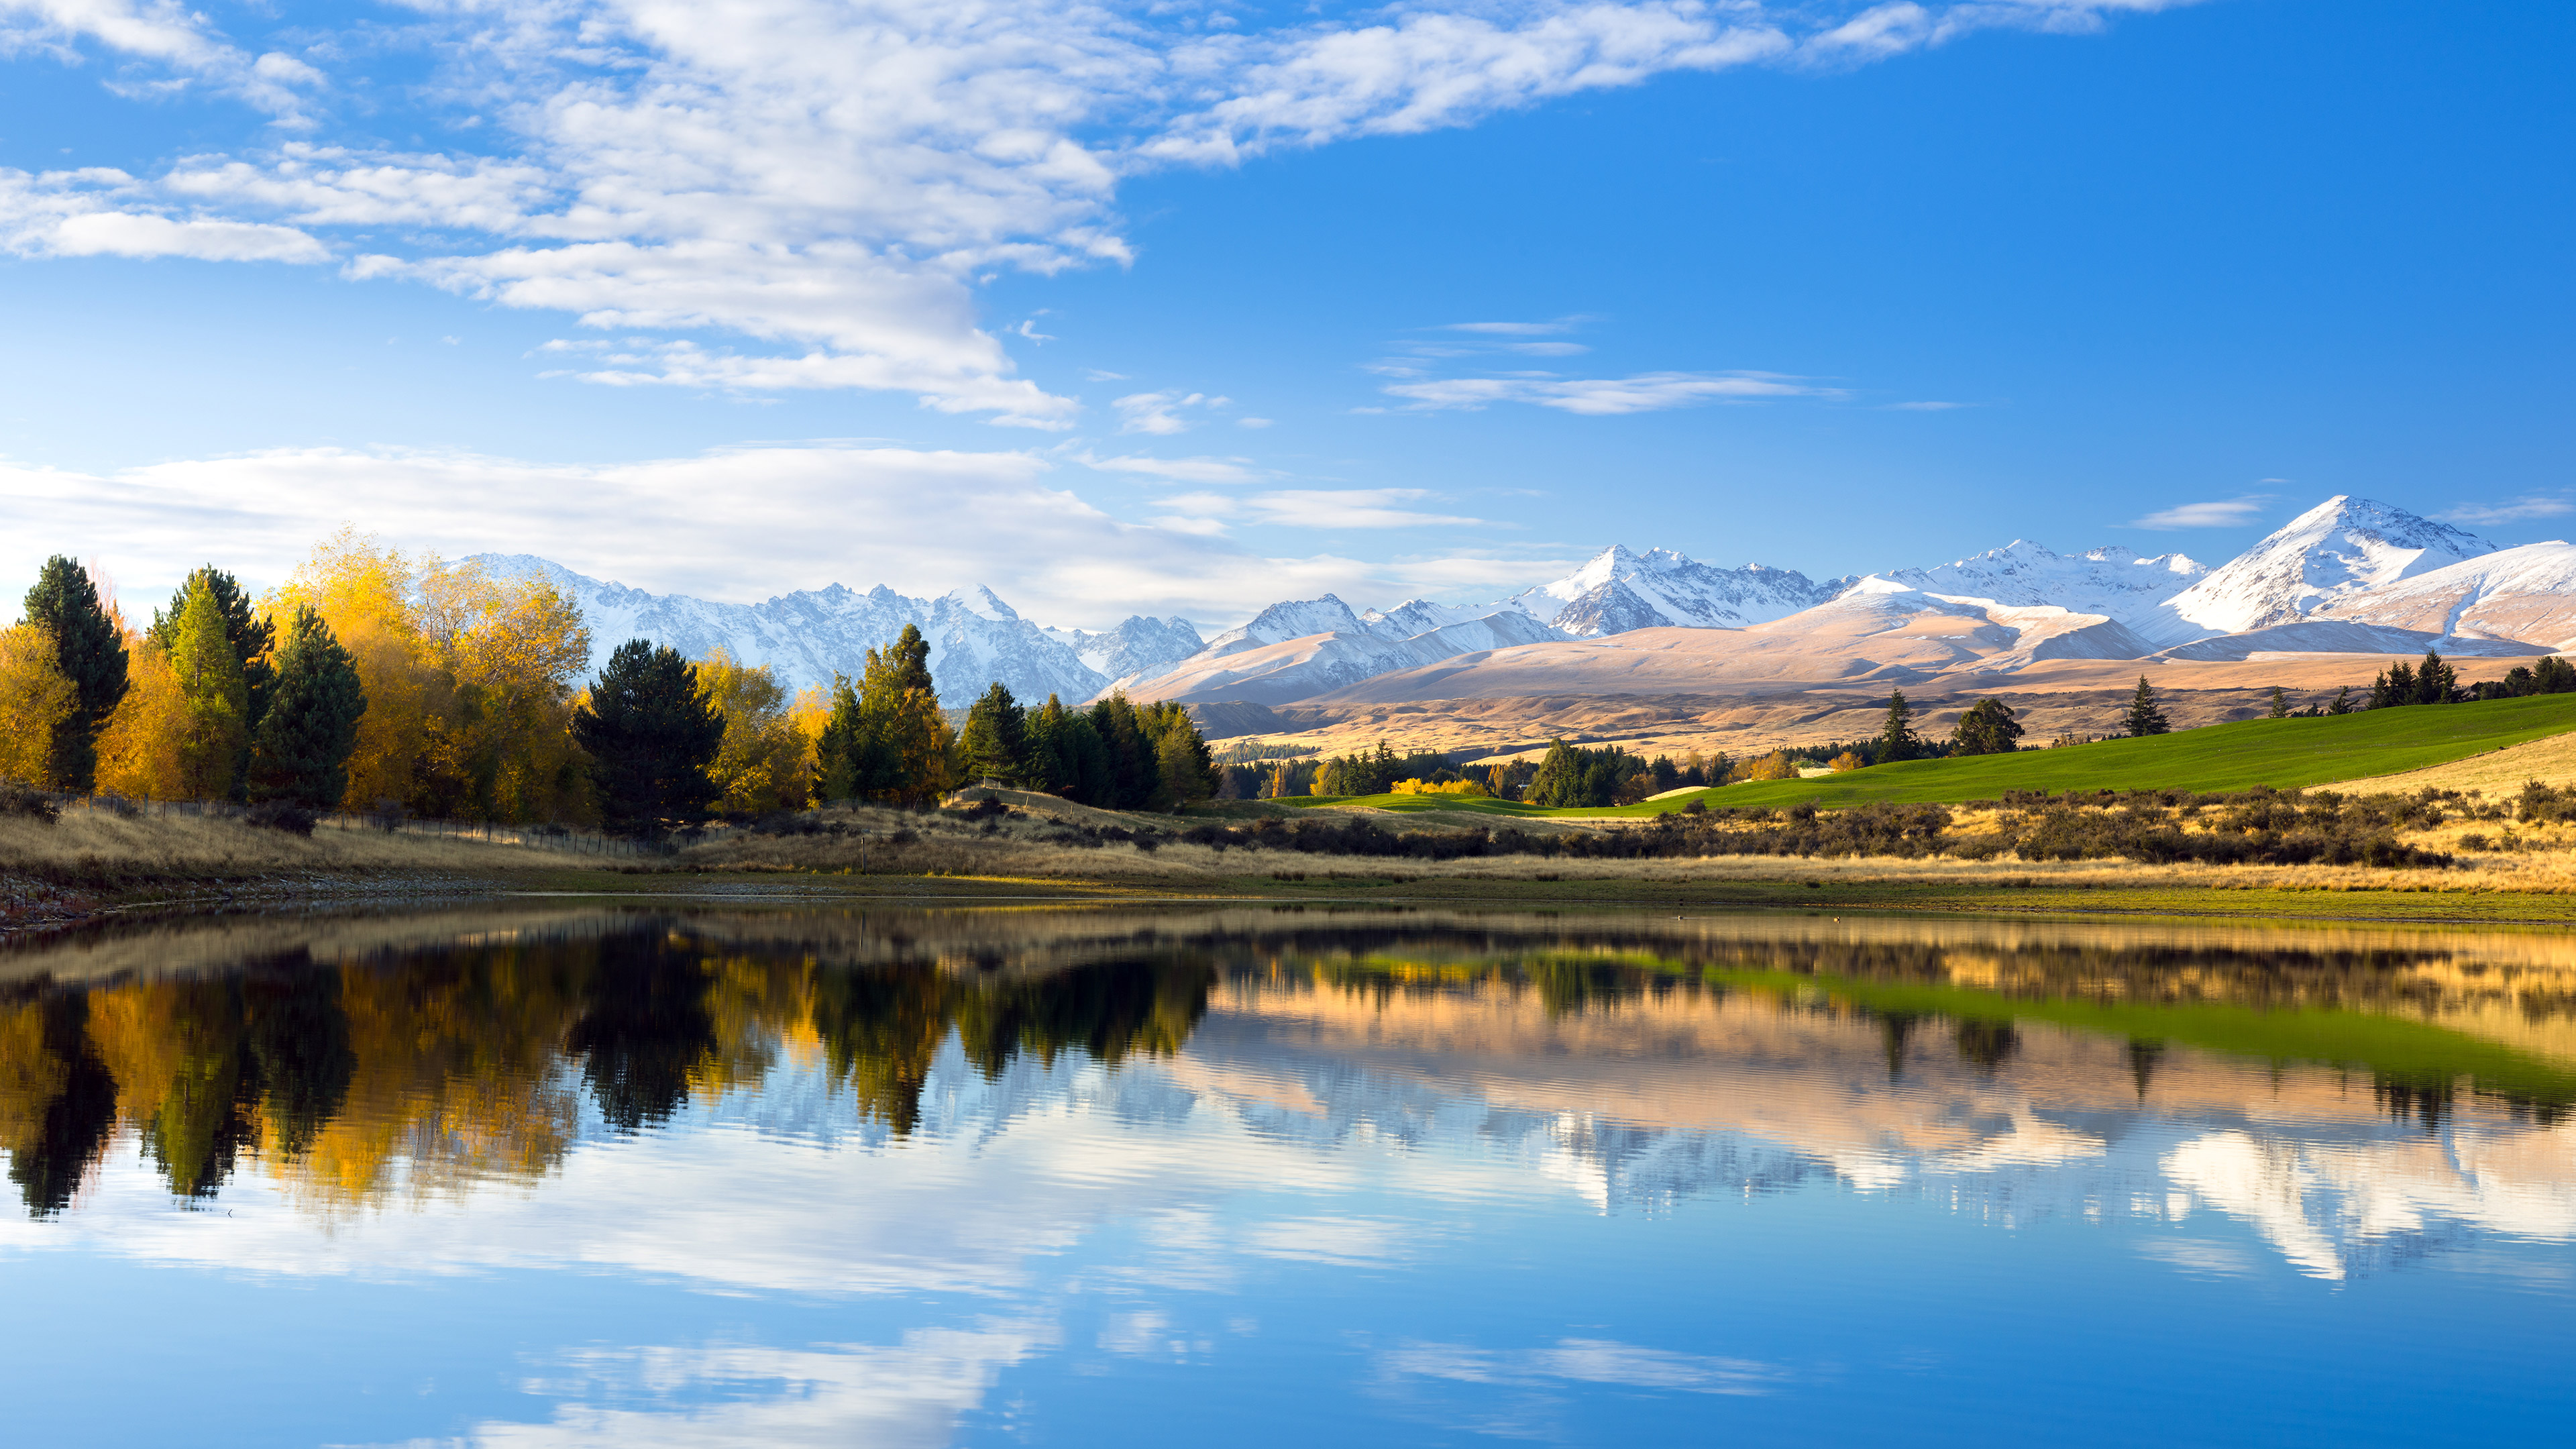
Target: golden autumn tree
pixel 364 592
pixel 511 649
pixel 35 697
pixel 139 751
pixel 765 758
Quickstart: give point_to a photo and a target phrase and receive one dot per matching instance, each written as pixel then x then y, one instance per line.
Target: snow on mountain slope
pixel 2340 547
pixel 808 636
pixel 1242 664
pixel 1619 590
pixel 2344 636
pixel 2526 593
pixel 1138 649
pixel 2114 582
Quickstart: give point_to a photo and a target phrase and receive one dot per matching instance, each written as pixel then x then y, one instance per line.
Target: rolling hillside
pixel 2283 753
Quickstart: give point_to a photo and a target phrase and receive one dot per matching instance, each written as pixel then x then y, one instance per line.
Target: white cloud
pixel 2523 509
pixel 1253 422
pixel 1178 470
pixel 2223 513
pixel 1159 413
pixel 739 524
pixel 1606 397
pixel 836 180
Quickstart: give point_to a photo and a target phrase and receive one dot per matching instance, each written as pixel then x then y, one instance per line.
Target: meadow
pixel 2284 754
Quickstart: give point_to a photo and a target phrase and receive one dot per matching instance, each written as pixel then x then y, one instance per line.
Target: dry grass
pixel 2497 773
pixel 99 847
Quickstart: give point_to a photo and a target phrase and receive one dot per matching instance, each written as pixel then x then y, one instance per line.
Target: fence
pixel 396 822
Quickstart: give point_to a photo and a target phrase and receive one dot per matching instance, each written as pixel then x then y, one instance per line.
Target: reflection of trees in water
pixel 2406 1099
pixel 2145 1053
pixel 1987 1045
pixel 439 1067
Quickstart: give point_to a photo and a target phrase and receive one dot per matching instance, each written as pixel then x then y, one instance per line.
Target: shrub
pixel 17 800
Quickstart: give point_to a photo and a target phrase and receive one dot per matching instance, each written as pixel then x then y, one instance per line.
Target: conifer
pixel 995 741
pixel 1896 739
pixel 2144 718
pixel 90 651
pixel 300 751
pixel 216 734
pixel 651 735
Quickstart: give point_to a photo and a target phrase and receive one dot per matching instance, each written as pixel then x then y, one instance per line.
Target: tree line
pixel 382 683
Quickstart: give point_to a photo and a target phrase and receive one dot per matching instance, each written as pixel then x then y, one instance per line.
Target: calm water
pixel 542 1176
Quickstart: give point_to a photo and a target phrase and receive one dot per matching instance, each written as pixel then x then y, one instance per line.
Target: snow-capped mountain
pixel 1306 646
pixel 1619 590
pixel 2114 582
pixel 2341 547
pixel 808 636
pixel 1139 649
pixel 2526 594
pixel 1281 622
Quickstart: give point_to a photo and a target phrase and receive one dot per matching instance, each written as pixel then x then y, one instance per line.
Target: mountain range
pixel 2347 577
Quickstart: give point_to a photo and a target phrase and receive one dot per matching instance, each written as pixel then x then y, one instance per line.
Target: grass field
pixel 2282 753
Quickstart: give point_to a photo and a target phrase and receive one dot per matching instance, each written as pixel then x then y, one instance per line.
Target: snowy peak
pixel 1140 648
pixel 1293 619
pixel 1618 590
pixel 2341 547
pixel 2114 582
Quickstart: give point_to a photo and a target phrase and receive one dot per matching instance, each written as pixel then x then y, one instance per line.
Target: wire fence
pixel 395 821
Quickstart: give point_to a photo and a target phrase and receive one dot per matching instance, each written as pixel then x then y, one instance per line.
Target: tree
pixel 89 649
pixel 215 731
pixel 2435 681
pixel 1845 763
pixel 1135 776
pixel 251 635
pixel 837 747
pixel 2144 718
pixel 1184 770
pixel 2342 703
pixel 1988 728
pixel 650 734
pixel 300 750
pixel 1067 753
pixel 1897 740
pixel 995 741
pixel 761 765
pixel 2280 703
pixel 138 752
pixel 35 699
pixel 2394 687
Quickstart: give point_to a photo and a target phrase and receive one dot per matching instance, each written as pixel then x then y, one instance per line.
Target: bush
pixel 25 804
pixel 283 815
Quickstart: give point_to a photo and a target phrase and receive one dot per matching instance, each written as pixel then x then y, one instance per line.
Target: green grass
pixel 2282 753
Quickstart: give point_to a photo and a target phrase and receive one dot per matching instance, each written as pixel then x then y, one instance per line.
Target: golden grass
pixel 2497 773
pixel 98 847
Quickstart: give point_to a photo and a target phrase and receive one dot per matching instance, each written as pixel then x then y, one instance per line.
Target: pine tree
pixel 300 750
pixel 2342 701
pixel 650 735
pixel 2280 703
pixel 835 771
pixel 1897 740
pixel 1183 767
pixel 1987 728
pixel 1134 777
pixel 90 651
pixel 995 741
pixel 216 736
pixel 2435 681
pixel 2144 718
pixel 251 636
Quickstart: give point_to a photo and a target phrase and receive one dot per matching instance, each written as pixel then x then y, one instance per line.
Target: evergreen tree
pixel 2342 701
pixel 1183 767
pixel 835 769
pixel 2435 681
pixel 2553 675
pixel 90 651
pixel 2394 687
pixel 2144 718
pixel 1897 740
pixel 2280 703
pixel 216 735
pixel 995 741
pixel 900 751
pixel 650 735
pixel 1135 776
pixel 1988 728
pixel 251 636
pixel 300 750
pixel 1068 749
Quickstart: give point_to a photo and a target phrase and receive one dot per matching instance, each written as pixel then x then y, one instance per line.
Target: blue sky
pixel 1186 308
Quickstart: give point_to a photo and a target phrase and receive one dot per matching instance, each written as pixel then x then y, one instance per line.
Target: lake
pixel 556 1172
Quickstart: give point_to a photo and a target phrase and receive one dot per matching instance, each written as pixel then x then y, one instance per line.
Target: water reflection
pixel 1071 1117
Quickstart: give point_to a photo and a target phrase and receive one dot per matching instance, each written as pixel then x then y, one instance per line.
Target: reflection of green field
pixel 2393 1047
pixel 2282 753
pixel 2390 1046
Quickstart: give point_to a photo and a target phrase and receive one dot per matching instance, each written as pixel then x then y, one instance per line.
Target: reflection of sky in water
pixel 1432 1216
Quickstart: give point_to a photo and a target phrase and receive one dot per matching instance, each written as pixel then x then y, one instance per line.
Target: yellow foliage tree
pixel 35 696
pixel 1845 761
pixel 766 757
pixel 138 752
pixel 469 680
pixel 1776 765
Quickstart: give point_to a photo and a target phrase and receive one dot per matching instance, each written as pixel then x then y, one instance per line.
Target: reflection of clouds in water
pixel 911 1394
pixel 1342 1242
pixel 2331 1208
pixel 2201 1257
pixel 1517 1392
